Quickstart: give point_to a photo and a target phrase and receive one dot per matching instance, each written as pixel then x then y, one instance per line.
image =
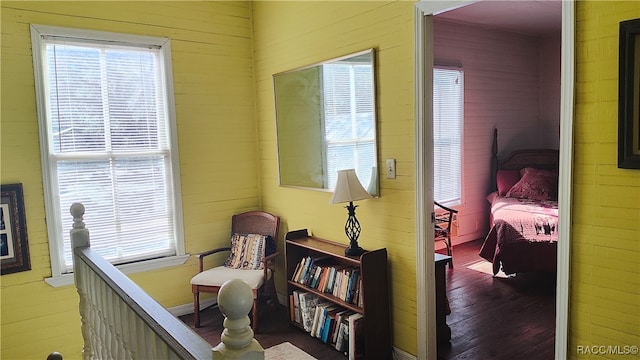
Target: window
pixel 448 90
pixel 107 130
pixel 349 120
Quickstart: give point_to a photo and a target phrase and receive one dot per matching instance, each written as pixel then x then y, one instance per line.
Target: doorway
pixel 424 12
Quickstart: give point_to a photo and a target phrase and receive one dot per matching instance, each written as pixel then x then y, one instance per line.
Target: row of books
pixel 342 281
pixel 334 325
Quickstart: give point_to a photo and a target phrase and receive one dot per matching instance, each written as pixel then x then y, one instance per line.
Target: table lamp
pixel 349 189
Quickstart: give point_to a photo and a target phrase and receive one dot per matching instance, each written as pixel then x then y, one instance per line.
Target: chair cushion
pixel 247 252
pixel 219 275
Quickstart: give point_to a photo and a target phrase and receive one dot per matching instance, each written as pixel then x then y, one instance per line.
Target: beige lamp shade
pixel 348 188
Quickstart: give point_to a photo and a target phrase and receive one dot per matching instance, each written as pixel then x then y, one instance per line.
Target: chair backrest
pixel 446 217
pixel 256 222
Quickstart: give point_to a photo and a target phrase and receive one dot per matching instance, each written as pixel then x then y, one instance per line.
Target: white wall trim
pixel 425 268
pixel 425 300
pixel 186 309
pixel 132 268
pixel 564 182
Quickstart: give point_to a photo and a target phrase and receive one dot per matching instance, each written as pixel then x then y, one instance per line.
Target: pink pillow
pixel 505 180
pixel 536 184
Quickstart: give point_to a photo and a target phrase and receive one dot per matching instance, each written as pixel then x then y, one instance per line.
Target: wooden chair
pixel 443 221
pixel 260 281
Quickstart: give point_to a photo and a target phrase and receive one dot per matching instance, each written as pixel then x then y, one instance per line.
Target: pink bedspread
pixel 523 237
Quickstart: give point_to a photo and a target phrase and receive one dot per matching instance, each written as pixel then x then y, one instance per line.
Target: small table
pixel 443 331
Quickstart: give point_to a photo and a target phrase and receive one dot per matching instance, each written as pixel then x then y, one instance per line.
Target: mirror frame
pixel 376 175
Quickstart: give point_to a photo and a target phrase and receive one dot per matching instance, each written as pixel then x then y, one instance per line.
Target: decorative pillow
pixel 247 252
pixel 535 184
pixel 505 180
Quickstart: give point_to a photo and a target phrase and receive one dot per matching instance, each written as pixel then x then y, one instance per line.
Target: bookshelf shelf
pixel 368 297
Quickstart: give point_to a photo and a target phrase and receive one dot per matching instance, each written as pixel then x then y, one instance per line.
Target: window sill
pixel 142 266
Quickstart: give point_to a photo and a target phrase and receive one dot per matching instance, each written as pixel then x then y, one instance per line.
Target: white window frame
pixel 459 200
pixel 59 276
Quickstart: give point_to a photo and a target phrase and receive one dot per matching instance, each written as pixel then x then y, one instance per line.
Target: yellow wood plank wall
pixel 213 79
pixel 605 249
pixel 289 35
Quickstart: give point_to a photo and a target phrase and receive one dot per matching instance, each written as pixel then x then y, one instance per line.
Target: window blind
pixel 349 120
pixel 109 147
pixel 448 90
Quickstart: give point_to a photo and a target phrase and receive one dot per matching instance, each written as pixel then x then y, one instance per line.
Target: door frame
pixel 425 270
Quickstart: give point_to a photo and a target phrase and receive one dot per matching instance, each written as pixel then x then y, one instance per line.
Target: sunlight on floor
pixel 485 267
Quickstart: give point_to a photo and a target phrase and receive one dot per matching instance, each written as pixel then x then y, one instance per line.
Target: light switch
pixel 391 168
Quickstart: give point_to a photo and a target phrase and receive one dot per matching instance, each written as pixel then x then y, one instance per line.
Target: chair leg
pixel 450 253
pixel 254 315
pixel 273 294
pixel 196 309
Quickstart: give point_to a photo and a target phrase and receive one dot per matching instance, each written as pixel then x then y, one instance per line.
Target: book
pixel 308 277
pixel 316 277
pixel 308 302
pixel 323 319
pixel 329 284
pixel 343 285
pixel 303 269
pixel 323 279
pixel 318 314
pixel 343 335
pixel 358 295
pixel 338 282
pixel 296 306
pixel 351 287
pixel 292 311
pixel 356 341
pixel 296 272
pixel 336 326
pixel 330 318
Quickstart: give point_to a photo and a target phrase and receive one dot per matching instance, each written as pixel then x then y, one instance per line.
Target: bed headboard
pixel 519 159
pixel 536 158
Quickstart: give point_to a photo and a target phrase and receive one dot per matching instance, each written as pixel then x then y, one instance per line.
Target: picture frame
pixel 14 246
pixel 629 95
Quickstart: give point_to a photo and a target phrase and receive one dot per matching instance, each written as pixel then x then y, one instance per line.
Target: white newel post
pixel 80 239
pixel 235 300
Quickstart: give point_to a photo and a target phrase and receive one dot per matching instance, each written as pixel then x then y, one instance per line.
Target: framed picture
pixel 14 247
pixel 629 95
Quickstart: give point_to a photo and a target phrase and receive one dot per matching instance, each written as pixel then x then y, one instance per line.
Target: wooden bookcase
pixel 375 286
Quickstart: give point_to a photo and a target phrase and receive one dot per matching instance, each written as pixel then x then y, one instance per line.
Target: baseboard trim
pixel 185 309
pixel 402 355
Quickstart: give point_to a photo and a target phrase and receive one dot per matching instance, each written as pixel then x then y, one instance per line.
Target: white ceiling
pixel 529 17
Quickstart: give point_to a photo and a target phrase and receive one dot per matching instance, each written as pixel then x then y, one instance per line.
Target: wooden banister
pixel 120 320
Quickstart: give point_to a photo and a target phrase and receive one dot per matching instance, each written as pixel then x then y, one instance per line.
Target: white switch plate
pixel 391 168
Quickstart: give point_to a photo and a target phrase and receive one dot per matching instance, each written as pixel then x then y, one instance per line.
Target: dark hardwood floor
pixel 491 317
pixel 274 329
pixel 497 317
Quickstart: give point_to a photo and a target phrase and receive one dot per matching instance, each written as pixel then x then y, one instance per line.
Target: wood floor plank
pixel 492 317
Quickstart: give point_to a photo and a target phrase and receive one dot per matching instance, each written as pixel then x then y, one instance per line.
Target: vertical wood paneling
pixel 293 34
pixel 217 138
pixel 504 78
pixel 605 254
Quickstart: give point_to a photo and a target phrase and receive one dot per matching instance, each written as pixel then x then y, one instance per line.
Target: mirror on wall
pixel 326 121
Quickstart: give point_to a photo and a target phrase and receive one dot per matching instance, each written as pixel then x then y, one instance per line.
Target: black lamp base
pixel 354 251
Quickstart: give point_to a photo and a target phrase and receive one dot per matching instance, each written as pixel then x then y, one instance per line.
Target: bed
pixel 523 231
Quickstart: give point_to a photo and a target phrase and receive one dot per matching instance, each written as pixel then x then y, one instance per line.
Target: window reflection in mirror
pixel 326 121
